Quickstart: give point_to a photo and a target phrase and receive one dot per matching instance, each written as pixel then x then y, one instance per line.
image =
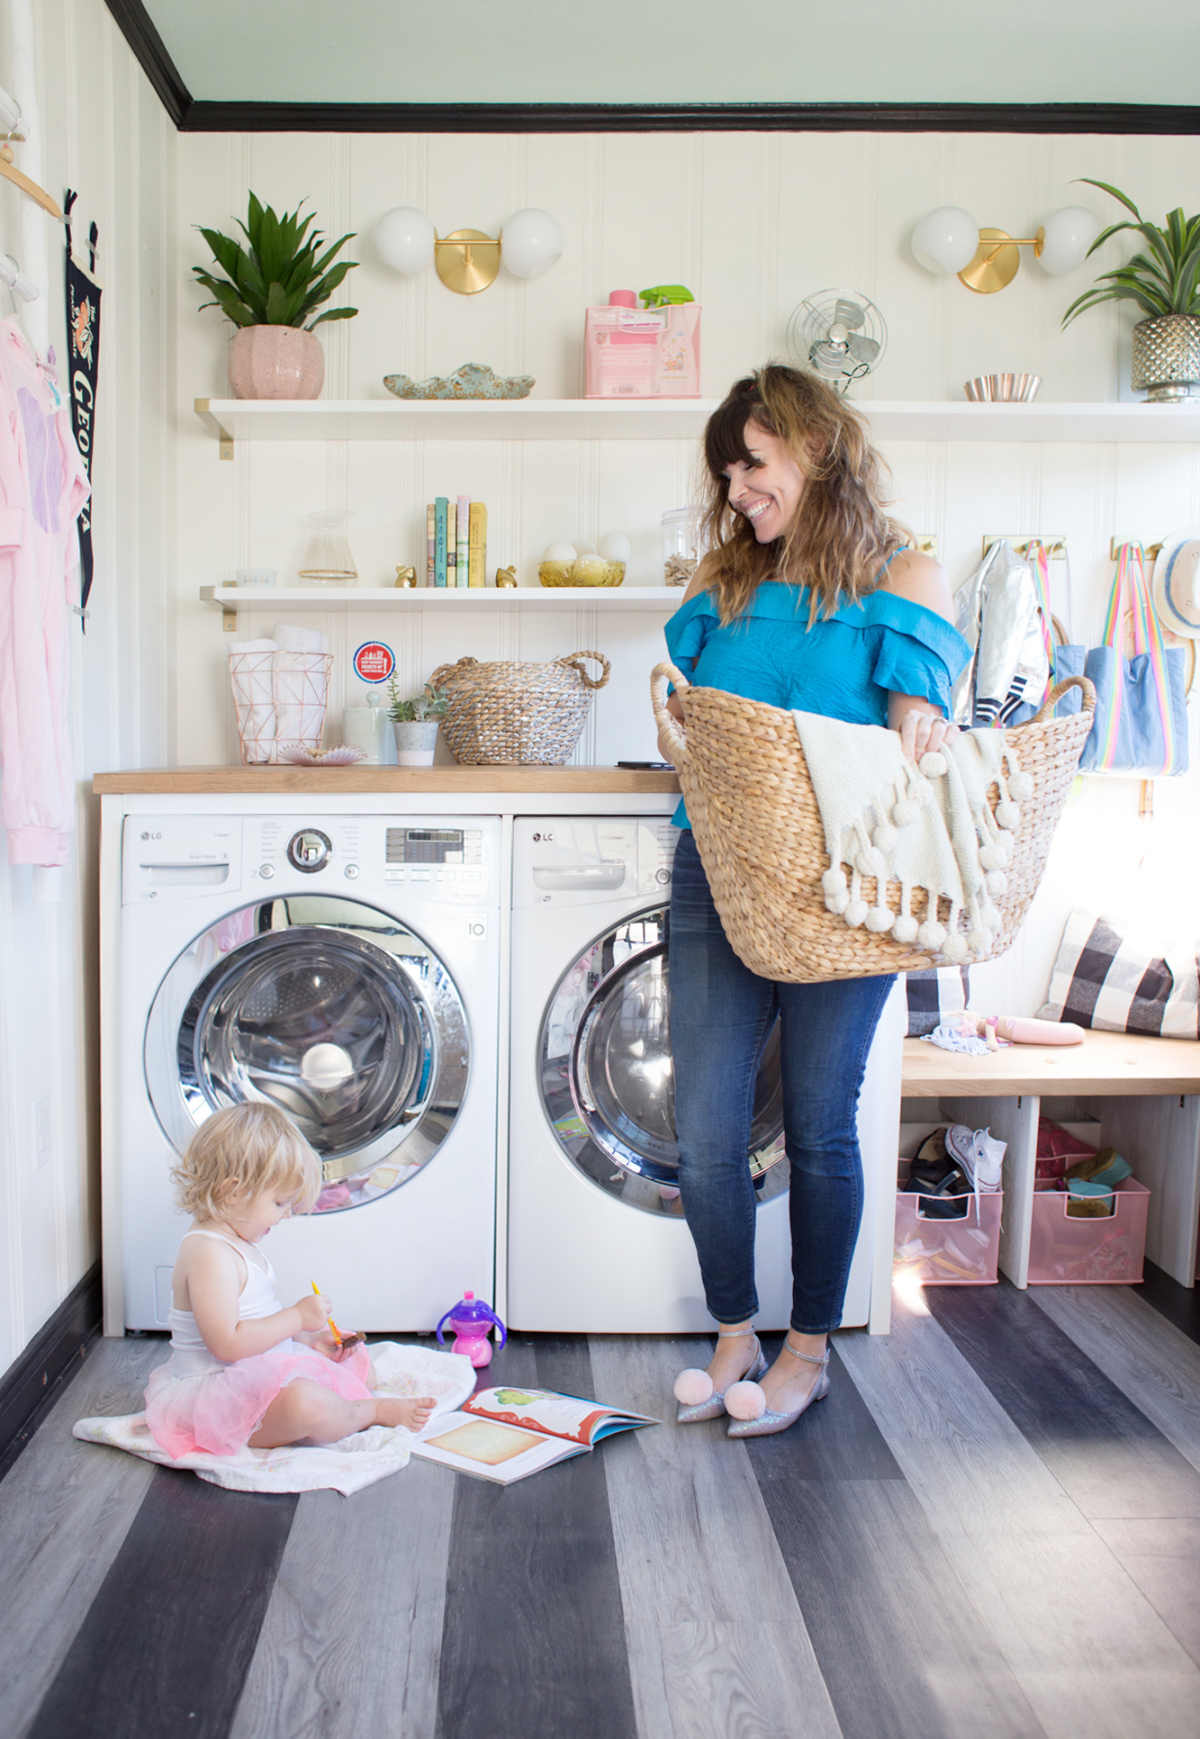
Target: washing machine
pixel 345 968
pixel 595 1237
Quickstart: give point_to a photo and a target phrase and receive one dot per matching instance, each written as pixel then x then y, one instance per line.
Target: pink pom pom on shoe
pixel 692 1387
pixel 745 1401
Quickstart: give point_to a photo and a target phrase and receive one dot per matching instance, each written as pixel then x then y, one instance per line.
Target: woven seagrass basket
pixel 758 829
pixel 530 714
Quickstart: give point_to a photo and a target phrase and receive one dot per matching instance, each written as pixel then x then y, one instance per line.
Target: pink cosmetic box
pixel 641 353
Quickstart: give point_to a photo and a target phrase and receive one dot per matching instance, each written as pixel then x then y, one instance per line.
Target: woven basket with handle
pixel 526 713
pixel 758 829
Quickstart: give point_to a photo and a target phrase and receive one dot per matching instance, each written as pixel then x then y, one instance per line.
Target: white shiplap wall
pixel 752 223
pixel 102 131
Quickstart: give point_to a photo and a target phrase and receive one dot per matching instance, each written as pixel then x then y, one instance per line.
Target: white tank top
pixel 258 1296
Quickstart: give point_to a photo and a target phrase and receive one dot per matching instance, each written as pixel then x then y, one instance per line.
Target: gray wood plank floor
pixel 992 1527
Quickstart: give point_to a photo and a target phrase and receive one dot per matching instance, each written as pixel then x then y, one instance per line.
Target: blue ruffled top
pixel 845 666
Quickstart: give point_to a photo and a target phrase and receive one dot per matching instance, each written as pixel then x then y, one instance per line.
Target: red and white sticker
pixel 374 661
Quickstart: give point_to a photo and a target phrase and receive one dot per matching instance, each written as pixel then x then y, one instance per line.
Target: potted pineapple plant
pixel 415 723
pixel 271 290
pixel 1164 281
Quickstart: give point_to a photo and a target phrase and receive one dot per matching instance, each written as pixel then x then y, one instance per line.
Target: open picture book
pixel 507 1433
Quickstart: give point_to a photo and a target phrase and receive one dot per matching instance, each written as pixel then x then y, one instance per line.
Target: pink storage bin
pixel 1103 1252
pixel 960 1252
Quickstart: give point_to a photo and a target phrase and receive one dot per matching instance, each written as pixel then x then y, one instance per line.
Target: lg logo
pixel 547 837
pixel 151 835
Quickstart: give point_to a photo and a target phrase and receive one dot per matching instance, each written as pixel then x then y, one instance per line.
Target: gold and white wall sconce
pixel 948 240
pixel 467 260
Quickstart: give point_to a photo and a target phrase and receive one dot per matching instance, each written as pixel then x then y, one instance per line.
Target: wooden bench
pixel 1144 1093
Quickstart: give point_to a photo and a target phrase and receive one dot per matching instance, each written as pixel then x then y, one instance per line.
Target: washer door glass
pixel 332 1010
pixel 607 1079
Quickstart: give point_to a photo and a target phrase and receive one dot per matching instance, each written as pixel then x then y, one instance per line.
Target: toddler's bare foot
pixel 411 1414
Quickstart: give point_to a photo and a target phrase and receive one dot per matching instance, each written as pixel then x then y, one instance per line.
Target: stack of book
pixel 455 542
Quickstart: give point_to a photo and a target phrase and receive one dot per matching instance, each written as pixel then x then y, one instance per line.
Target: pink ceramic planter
pixel 275 362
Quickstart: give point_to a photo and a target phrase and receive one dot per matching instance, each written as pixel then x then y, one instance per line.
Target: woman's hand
pixel 922 730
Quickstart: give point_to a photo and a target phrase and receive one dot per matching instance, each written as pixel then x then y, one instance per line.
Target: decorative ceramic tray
pixel 295 756
pixel 471 381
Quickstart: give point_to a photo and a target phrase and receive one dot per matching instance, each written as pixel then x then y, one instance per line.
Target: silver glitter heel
pixel 713 1408
pixel 768 1423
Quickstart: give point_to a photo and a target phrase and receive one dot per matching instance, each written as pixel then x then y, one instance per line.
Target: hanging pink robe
pixel 43 485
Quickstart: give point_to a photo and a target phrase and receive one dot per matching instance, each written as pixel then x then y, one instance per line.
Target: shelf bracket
pixel 203 408
pixel 229 615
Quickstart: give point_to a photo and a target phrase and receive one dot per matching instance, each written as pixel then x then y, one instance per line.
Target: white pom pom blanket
pixel 927 827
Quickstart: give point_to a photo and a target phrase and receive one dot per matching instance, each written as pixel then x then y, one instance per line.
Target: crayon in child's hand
pixel 334 1330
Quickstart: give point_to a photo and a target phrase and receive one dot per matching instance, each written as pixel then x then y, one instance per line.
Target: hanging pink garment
pixel 43 485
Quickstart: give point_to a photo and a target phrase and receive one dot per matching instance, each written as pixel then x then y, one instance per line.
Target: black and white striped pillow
pixel 1104 980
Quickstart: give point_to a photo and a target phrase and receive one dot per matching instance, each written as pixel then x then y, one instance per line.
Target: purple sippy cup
pixel 471 1322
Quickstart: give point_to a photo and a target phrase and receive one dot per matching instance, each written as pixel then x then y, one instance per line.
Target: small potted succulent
pixel 1164 282
pixel 415 723
pixel 271 291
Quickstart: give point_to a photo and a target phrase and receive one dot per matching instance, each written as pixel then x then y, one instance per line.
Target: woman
pixel 810 598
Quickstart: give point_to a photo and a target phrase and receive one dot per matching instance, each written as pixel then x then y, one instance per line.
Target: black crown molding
pixel 135 26
pixel 192 116
pixel 208 117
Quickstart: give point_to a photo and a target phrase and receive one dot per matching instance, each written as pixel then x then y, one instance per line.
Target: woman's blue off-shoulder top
pixel 845 666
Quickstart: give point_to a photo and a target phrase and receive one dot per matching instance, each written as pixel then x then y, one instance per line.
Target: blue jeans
pixel 721 1014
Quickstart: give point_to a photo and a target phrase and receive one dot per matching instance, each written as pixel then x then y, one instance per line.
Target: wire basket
pixel 528 714
pixel 279 701
pixel 759 832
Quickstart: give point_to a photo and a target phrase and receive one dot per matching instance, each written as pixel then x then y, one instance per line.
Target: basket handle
pixel 1047 707
pixel 669 728
pixel 572 659
pixel 447 672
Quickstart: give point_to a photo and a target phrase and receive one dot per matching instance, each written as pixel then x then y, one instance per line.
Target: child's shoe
pixel 979 1154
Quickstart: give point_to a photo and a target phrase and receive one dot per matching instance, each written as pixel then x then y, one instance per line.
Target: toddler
pixel 244 1369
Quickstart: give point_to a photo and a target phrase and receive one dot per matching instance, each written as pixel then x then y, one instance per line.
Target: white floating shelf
pixel 662 600
pixel 234 420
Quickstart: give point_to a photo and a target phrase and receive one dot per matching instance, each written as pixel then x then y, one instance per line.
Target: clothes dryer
pixel 345 968
pixel 596 1240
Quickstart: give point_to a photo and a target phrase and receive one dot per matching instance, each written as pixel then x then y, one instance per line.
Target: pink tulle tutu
pixel 216 1412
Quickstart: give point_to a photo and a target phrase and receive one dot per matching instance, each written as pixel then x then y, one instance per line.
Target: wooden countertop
pixel 1105 1063
pixel 321 781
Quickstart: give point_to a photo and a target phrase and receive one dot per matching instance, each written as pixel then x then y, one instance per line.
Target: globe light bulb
pixel 404 239
pixel 1068 234
pixel 531 241
pixel 945 240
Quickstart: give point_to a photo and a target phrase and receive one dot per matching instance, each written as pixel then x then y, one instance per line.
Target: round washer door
pixel 331 1009
pixel 606 1076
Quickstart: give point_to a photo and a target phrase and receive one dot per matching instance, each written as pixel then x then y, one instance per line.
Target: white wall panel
pixel 104 133
pixel 753 223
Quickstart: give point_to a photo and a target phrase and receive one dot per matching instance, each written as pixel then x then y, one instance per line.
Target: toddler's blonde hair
pixel 239 1151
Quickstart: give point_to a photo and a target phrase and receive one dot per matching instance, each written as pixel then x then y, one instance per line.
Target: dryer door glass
pixel 330 1009
pixel 607 1081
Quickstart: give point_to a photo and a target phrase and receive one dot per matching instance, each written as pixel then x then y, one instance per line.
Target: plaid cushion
pixel 932 995
pixel 1102 979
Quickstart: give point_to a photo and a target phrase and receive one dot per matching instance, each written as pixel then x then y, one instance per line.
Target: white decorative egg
pixel 615 547
pixel 560 552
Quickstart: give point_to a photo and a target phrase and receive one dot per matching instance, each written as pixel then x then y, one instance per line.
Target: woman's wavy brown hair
pixel 840 538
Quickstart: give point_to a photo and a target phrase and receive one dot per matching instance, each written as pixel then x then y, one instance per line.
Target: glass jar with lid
pixel 680 537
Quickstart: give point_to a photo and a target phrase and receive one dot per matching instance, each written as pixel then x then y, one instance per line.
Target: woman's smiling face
pixel 769 489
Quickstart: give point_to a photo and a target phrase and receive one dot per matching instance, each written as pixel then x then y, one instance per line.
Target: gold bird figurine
pixel 506 576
